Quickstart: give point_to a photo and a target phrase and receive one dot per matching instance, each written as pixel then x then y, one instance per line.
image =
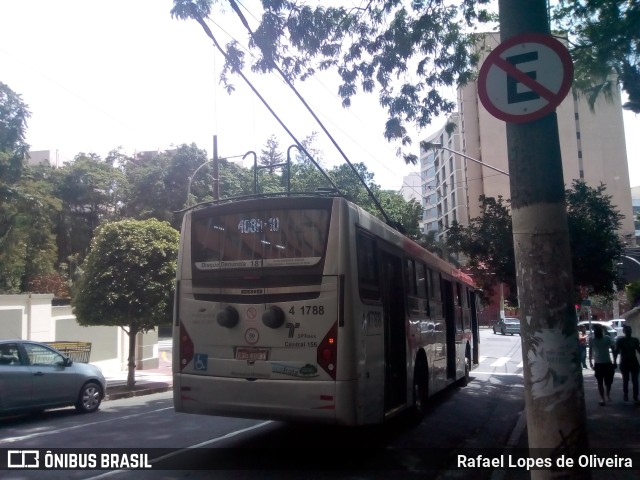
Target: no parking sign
pixel 525 78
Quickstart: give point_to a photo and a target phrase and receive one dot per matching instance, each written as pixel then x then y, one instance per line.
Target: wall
pixel 32 317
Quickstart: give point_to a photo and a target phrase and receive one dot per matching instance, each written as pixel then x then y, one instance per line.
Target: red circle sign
pixel 525 78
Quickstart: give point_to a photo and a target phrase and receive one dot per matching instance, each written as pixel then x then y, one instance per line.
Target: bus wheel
pixel 467 371
pixel 420 389
pixel 467 365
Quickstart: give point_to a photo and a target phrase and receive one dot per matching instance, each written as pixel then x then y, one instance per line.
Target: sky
pixel 103 74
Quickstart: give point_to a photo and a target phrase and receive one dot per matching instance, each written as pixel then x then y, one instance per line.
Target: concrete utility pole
pixel 554 395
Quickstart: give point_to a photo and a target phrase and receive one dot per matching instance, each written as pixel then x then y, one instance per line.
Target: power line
pixel 208 32
pixel 235 7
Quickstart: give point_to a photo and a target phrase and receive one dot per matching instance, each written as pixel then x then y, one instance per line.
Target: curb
pixel 138 393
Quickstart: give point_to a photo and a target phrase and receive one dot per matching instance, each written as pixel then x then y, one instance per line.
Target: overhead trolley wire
pixel 390 222
pixel 208 32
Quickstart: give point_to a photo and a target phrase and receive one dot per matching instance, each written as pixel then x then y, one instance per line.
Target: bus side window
pixel 410 277
pixel 422 285
pixel 368 280
pixel 435 293
pixel 459 301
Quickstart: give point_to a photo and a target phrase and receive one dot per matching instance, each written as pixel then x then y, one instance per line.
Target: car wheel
pixel 89 398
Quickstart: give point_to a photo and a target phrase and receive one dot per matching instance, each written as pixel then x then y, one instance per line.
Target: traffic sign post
pixel 525 78
pixel 522 82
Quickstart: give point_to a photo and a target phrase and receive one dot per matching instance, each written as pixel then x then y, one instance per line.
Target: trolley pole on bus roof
pixel 554 395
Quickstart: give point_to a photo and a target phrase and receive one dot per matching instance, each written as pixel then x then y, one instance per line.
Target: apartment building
pixel 592 143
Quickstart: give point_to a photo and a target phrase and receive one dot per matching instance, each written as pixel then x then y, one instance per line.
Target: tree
pixel 13 127
pixel 488 245
pixel 158 183
pixel 431 242
pixel 595 245
pixel 234 180
pixel 127 279
pixel 632 291
pixel 593 221
pixel 27 204
pixel 91 192
pixel 368 47
pixel 604 39
pixel 406 213
pixel 430 45
pixel 271 155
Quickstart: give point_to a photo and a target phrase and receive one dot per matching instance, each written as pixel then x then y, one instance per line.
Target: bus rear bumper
pixel 308 400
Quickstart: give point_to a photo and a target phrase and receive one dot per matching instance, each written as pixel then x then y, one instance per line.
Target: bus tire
pixel 420 389
pixel 467 365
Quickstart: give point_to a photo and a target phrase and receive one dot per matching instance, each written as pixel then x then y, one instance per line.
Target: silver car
pixel 509 325
pixel 607 329
pixel 35 377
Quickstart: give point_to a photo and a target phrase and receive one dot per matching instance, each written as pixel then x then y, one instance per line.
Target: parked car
pixel 606 325
pixel 508 325
pixel 35 377
pixel 617 324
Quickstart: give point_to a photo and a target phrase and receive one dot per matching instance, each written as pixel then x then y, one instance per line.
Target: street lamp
pixel 204 164
pixel 191 180
pixel 631 258
pixel 442 147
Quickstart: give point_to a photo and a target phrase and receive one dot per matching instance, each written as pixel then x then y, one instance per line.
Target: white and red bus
pixel 308 308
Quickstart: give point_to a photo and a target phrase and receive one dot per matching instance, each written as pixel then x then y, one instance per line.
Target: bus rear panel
pixel 311 309
pixel 258 315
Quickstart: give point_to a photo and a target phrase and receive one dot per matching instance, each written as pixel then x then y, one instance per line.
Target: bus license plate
pixel 252 353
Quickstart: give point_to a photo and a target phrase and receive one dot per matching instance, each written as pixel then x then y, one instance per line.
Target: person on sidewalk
pixel 626 347
pixel 582 345
pixel 599 347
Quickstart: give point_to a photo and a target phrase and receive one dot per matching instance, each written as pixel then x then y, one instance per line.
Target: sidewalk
pixel 155 380
pixel 614 427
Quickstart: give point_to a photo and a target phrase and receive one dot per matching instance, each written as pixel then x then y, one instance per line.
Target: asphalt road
pixel 482 414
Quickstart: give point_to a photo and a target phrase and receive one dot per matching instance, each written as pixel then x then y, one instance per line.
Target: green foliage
pixel 595 245
pixel 271 155
pixel 407 51
pixel 593 221
pixel 27 206
pixel 632 291
pixel 13 125
pixel 604 38
pixel 91 191
pixel 234 180
pixel 50 283
pixel 128 275
pixel 158 183
pixel 406 213
pixel 488 245
pixel 431 242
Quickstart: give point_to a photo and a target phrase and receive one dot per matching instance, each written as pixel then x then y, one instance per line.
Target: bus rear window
pixel 260 238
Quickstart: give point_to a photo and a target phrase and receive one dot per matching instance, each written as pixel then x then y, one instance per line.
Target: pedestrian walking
pixel 626 347
pixel 599 347
pixel 582 345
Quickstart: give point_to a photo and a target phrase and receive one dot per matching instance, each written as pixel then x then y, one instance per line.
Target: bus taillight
pixel 327 351
pixel 186 347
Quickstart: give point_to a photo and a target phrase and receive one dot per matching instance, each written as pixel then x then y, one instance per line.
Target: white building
pixel 411 187
pixel 36 157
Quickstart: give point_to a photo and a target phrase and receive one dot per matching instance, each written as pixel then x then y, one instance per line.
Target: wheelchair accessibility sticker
pixel 200 361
